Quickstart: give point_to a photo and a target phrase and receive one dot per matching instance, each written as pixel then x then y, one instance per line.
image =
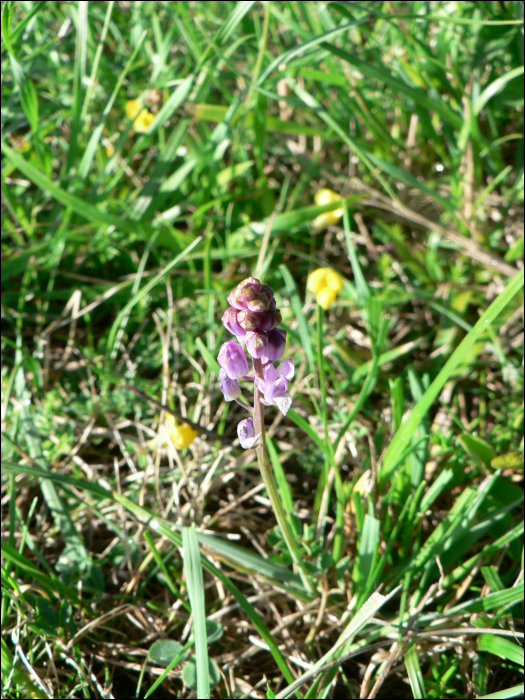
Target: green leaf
pixel 511 460
pixel 124 313
pixel 367 551
pixel 191 676
pixel 163 651
pixel 369 608
pixel 478 449
pixel 304 47
pixel 175 180
pixel 214 630
pixel 18 677
pixel 94 139
pixel 501 647
pixel 29 100
pixel 172 103
pixel 378 72
pixel 495 87
pixel 89 211
pixel 514 692
pixel 407 429
pixel 508 597
pixel 233 171
pixel 282 483
pixel 297 306
pixel 414 672
pixel 195 586
pixel 401 175
pixel 304 425
pixel 210 361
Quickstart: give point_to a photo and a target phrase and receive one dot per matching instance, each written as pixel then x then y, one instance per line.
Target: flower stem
pixel 271 487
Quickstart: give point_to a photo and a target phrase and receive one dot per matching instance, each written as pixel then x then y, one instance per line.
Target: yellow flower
pixel 143 118
pixel 326 284
pixel 325 196
pixel 180 435
pixel 109 149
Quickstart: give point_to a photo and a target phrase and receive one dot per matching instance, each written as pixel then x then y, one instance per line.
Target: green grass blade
pixel 495 87
pixel 501 647
pixel 365 612
pixel 499 599
pixel 280 478
pixel 173 102
pixel 142 293
pixel 367 552
pixel 304 425
pixel 382 75
pixel 301 49
pixel 297 306
pixel 195 586
pixel 94 139
pixel 414 672
pixel 408 428
pixel 90 212
pixel 514 692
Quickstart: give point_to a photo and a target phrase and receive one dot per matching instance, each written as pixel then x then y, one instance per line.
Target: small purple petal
pixel 280 386
pixel 232 359
pixel 270 373
pixel 256 342
pixel 273 386
pixel 229 387
pixel 286 369
pixel 246 433
pixel 283 402
pixel 260 384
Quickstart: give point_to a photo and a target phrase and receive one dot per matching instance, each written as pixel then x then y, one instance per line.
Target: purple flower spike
pixel 232 359
pixel 246 433
pixel 231 322
pixel 256 342
pixel 275 384
pixel 229 387
pixel 276 344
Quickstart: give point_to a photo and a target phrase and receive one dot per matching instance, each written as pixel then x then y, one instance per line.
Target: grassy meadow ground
pixel 400 463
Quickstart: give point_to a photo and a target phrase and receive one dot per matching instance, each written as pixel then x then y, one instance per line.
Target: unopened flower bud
pixel 232 359
pixel 256 342
pixel 229 387
pixel 251 295
pixel 276 344
pixel 248 320
pixel 236 300
pixel 246 433
pixel 269 320
pixel 231 322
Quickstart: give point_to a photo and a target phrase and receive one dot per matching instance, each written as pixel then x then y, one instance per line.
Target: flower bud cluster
pixel 254 319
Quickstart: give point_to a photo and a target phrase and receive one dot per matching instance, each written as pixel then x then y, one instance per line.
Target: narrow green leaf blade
pixel 195 586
